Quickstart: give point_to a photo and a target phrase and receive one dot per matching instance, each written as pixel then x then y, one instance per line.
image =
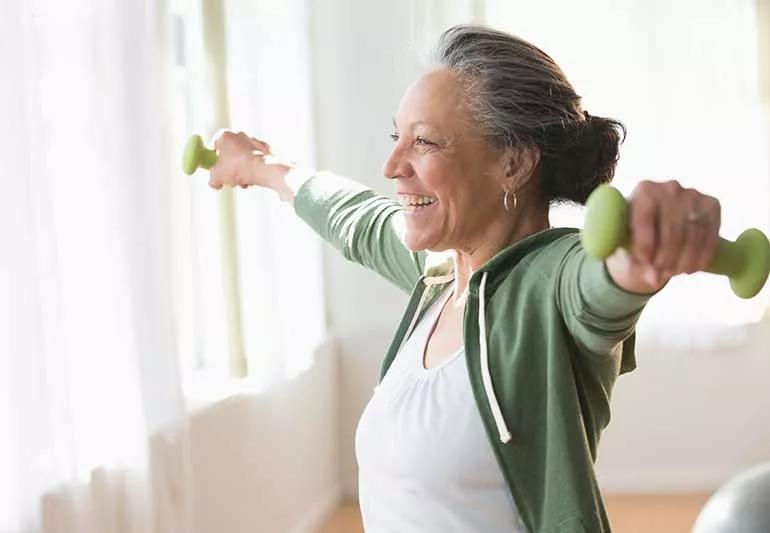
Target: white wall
pixel 680 422
pixel 688 421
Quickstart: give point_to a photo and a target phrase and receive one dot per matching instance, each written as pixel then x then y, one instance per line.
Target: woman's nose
pixel 396 166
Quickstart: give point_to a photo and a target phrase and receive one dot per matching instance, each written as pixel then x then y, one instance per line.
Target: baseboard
pixel 319 512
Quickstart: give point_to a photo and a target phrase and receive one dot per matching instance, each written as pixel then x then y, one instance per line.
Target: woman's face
pixel 448 178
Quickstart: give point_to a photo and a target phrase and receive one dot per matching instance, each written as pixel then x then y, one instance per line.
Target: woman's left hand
pixel 673 231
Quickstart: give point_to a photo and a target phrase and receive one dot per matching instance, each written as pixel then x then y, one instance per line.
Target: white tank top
pixel 425 462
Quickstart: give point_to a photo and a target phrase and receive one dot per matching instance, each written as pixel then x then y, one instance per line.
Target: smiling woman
pixel 485 141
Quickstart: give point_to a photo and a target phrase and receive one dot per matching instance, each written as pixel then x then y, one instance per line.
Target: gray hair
pixel 521 98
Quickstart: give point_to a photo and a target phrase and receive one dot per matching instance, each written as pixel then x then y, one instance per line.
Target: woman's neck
pixel 498 237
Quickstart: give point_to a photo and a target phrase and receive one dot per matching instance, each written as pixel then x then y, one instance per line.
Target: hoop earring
pixel 505 202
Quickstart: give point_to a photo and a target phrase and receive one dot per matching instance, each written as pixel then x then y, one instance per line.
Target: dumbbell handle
pixel 746 262
pixel 197 155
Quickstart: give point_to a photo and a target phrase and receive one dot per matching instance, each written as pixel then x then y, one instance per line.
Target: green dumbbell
pixel 196 155
pixel 746 261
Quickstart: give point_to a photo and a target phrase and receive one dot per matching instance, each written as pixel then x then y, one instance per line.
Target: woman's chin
pixel 422 243
pixel 420 235
pixel 415 247
pixel 416 243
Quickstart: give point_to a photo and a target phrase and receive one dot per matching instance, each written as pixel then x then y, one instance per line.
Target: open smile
pixel 414 204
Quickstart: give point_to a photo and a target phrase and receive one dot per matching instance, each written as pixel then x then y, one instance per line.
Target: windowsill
pixel 204 389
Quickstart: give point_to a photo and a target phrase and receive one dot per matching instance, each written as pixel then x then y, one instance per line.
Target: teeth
pixel 409 200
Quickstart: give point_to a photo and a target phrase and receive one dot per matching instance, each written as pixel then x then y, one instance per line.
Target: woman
pixel 495 390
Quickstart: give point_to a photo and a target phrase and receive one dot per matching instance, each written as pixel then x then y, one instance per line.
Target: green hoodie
pixel 546 334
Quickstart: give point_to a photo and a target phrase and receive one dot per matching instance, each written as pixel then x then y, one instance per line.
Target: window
pixel 248 272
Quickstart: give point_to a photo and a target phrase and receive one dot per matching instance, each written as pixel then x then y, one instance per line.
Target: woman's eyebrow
pixel 415 123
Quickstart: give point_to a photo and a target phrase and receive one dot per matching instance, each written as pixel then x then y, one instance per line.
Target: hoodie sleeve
pixel 366 227
pixel 598 314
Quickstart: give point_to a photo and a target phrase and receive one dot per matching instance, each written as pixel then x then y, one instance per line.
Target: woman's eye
pixel 419 141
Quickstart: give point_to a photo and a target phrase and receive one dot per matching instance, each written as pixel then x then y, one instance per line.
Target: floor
pixel 659 513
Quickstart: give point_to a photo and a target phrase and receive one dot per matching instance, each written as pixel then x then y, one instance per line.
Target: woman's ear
pixel 521 166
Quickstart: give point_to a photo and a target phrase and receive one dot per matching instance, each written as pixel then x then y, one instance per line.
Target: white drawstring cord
pixel 502 428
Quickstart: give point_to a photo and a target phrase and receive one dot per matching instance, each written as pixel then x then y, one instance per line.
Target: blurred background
pixel 173 359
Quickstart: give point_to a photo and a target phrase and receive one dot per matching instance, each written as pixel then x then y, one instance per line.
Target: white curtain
pixel 683 76
pixel 92 432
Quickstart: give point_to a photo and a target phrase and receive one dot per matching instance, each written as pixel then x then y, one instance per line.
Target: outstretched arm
pixel 366 227
pixel 673 230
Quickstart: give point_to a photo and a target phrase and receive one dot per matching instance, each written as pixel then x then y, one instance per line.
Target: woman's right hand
pixel 245 161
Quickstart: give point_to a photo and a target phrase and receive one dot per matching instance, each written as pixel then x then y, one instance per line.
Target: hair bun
pixel 587 158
